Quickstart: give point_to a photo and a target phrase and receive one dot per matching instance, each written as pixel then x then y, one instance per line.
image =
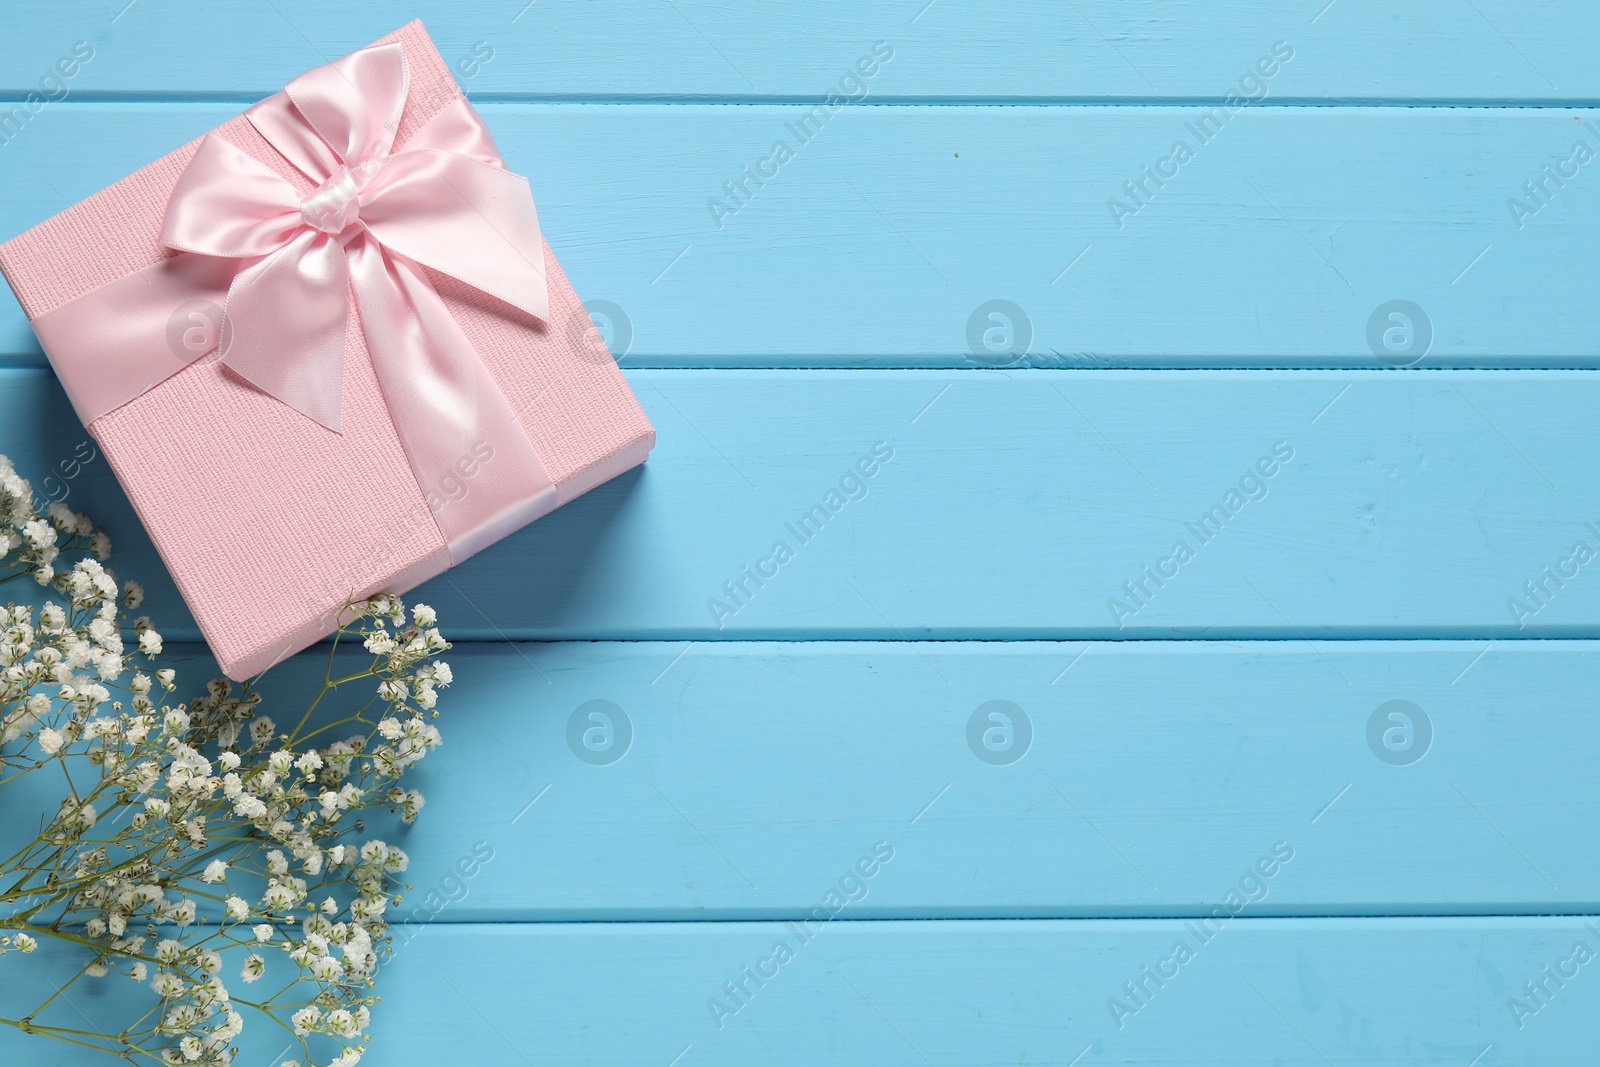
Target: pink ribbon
pixel 284 268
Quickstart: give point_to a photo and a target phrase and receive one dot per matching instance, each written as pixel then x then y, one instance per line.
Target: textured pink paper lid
pixel 266 520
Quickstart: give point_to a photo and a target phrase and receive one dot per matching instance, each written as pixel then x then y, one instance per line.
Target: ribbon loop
pixel 354 104
pixel 231 205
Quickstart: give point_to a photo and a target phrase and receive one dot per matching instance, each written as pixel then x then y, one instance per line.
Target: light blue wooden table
pixel 1341 348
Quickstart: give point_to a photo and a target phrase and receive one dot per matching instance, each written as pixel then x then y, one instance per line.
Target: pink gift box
pixel 268 521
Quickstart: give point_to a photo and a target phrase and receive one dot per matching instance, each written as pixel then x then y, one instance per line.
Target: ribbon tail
pixel 284 326
pixel 478 471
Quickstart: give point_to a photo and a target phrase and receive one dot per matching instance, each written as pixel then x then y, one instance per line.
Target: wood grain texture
pixel 1418 546
pixel 880 240
pixel 1499 50
pixel 747 780
pixel 1024 505
pixel 1263 993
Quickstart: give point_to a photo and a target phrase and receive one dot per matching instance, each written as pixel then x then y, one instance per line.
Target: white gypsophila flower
pixel 103 632
pixel 250 807
pixel 326 968
pixel 40 534
pixel 411 806
pixel 171 781
pixel 166 985
pixel 50 740
pixel 261 730
pixel 24 943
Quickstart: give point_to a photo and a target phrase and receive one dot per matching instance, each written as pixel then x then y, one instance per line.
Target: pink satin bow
pixel 289 264
pixel 444 201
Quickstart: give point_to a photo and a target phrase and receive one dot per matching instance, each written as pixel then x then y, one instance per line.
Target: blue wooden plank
pixel 654 781
pixel 1017 507
pixel 1259 993
pixel 1096 49
pixel 1030 506
pixel 889 237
